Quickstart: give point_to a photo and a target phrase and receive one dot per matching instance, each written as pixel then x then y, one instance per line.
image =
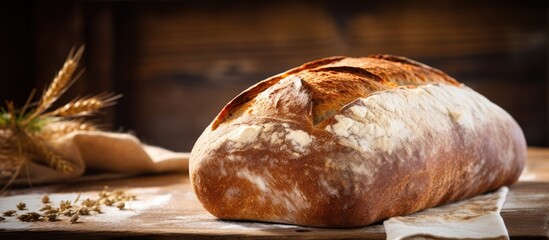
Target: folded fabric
pixel 105 152
pixel 474 218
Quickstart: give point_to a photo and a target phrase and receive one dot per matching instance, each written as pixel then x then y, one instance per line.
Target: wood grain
pixel 189 60
pixel 167 209
pixel 178 62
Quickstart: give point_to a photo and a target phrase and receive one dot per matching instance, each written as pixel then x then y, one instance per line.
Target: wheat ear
pixel 64 127
pixel 86 105
pixel 53 159
pixel 44 152
pixel 62 81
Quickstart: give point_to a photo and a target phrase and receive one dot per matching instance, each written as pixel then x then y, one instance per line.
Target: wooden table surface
pixel 167 208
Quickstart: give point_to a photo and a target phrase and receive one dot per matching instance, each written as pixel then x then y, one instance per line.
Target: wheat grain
pixel 84 211
pixel 52 217
pixel 21 206
pixel 46 199
pixel 74 218
pixel 53 210
pixel 121 205
pixel 46 208
pixel 9 213
pixel 29 217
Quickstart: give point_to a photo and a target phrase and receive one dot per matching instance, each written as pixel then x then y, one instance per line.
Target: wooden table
pixel 167 208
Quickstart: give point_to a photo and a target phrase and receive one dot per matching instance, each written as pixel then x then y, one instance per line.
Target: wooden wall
pixel 179 62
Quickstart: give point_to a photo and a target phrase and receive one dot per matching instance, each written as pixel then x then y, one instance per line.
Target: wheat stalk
pixel 27 103
pixel 8 161
pixel 11 113
pixel 85 106
pixel 16 156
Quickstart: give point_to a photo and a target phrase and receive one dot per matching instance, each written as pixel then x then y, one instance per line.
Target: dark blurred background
pixel 178 62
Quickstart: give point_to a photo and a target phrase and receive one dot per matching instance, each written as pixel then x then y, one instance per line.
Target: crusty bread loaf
pixel 346 142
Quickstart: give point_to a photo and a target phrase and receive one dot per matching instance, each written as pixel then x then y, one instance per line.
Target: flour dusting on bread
pixel 372 124
pixel 346 142
pixel 244 134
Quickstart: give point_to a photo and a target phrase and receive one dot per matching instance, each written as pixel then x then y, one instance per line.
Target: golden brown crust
pixel 345 142
pixel 250 93
pixel 337 81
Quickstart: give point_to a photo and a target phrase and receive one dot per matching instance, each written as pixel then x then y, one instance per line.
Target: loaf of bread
pixel 346 142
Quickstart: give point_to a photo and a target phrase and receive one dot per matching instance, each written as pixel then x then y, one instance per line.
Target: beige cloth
pixel 474 218
pixel 106 152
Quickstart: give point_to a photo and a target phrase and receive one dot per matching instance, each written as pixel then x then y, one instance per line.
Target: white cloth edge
pixel 487 226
